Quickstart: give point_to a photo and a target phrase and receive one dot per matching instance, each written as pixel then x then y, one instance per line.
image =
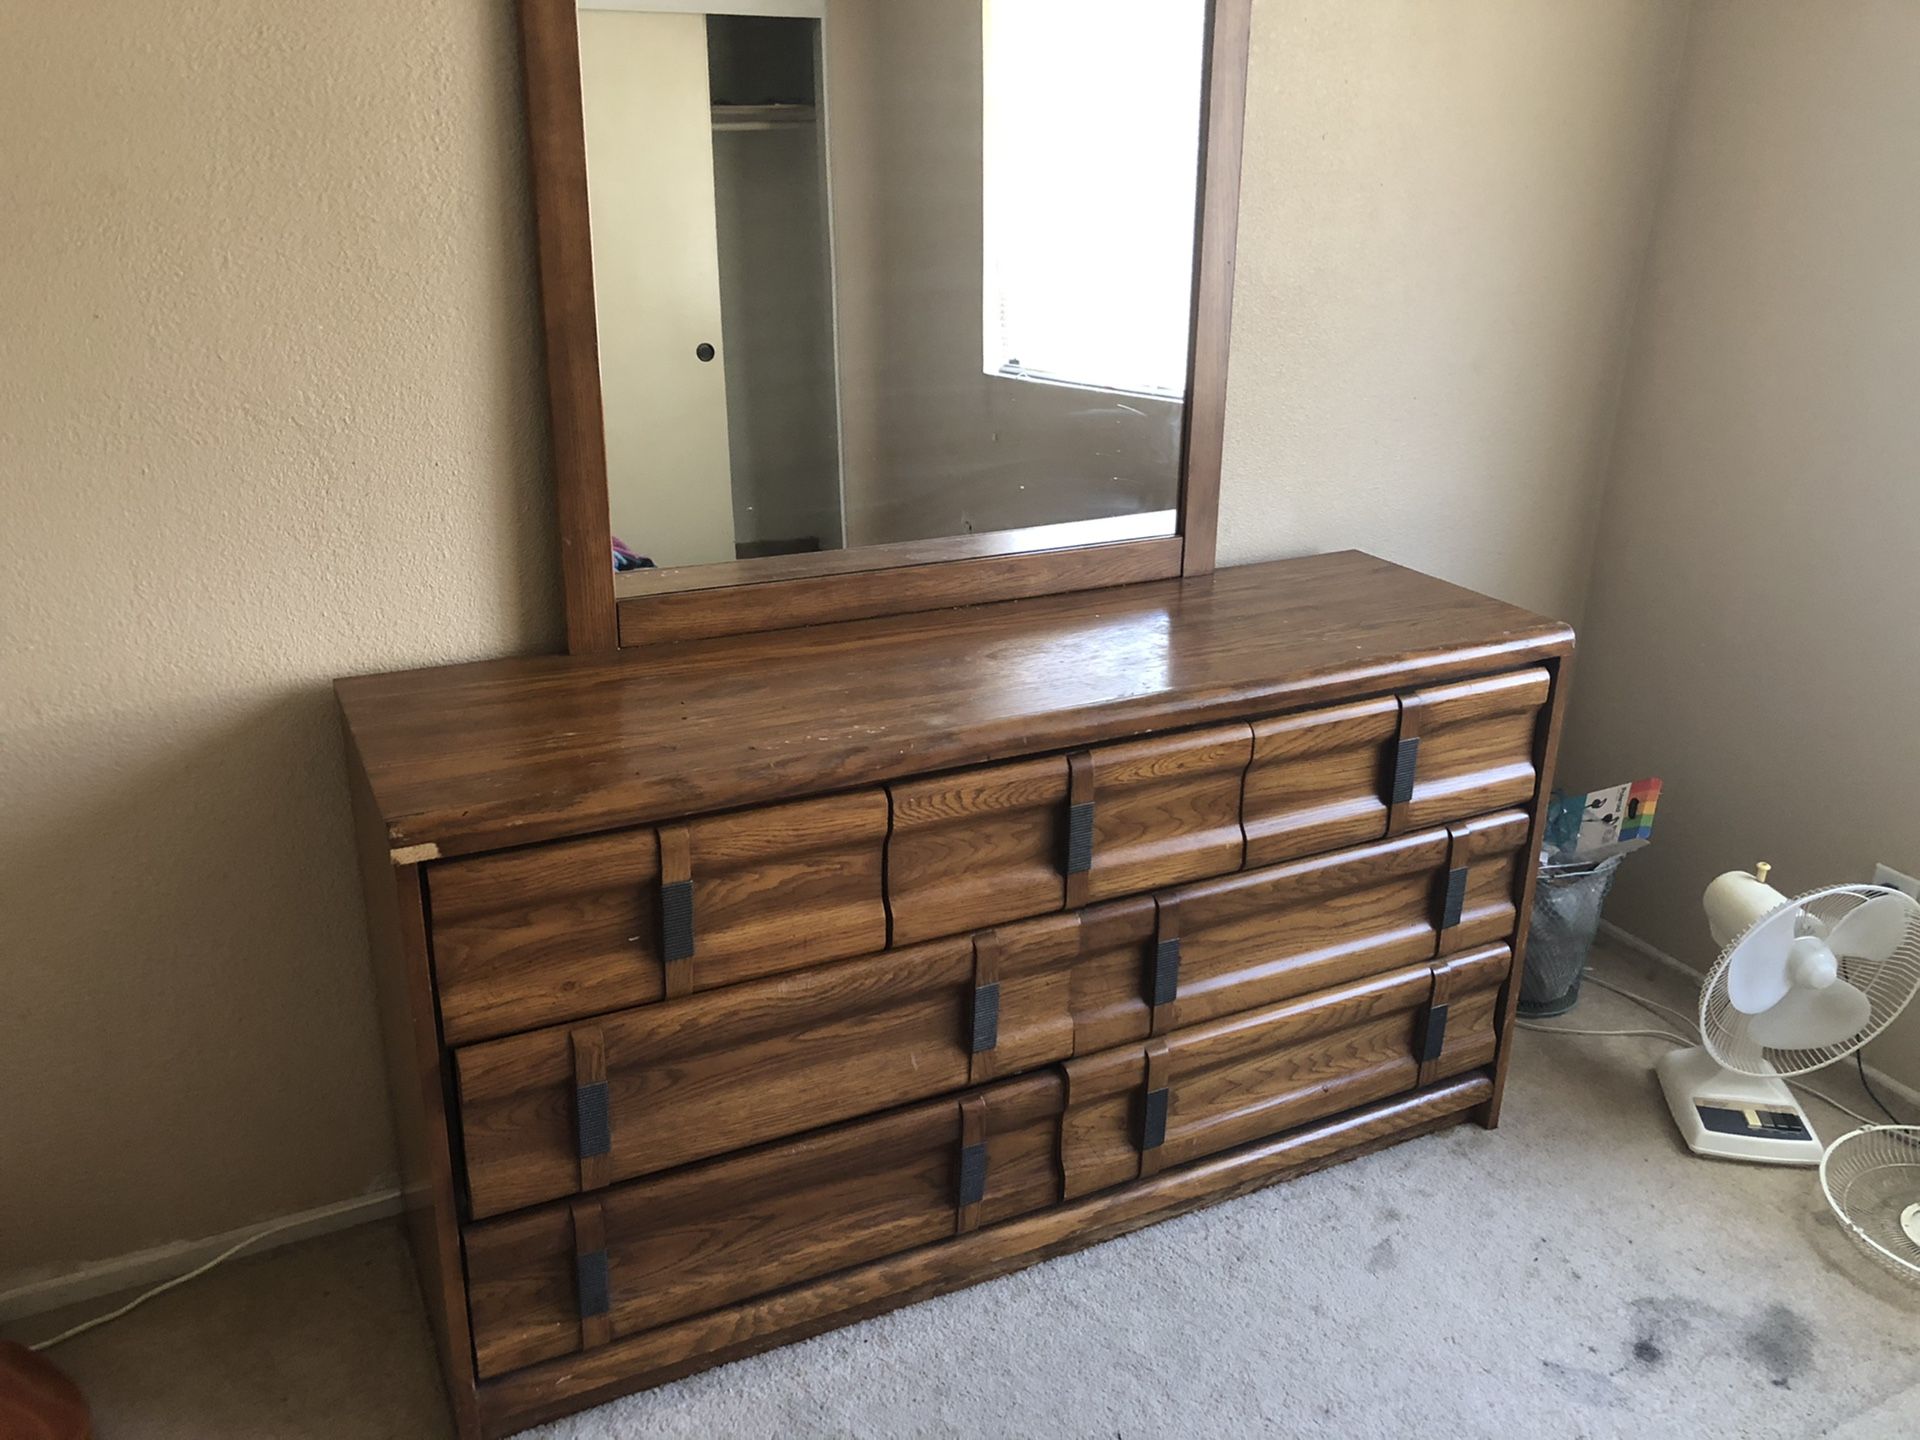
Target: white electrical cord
pixel 1691 1022
pixel 194 1274
pixel 1657 1008
pixel 1565 1030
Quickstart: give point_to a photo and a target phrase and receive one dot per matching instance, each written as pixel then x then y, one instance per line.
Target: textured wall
pixel 1444 215
pixel 270 412
pixel 1753 635
pixel 271 405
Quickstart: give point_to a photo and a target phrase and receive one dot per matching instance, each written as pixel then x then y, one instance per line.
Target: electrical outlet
pixel 1894 879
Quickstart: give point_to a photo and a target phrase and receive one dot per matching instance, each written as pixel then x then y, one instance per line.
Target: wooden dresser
pixel 742 988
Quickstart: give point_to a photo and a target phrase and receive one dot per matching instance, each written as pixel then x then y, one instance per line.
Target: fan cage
pixel 1870 1178
pixel 1889 985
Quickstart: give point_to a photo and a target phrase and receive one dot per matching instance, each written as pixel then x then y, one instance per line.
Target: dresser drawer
pixel 1486 863
pixel 977 848
pixel 1468 985
pixel 1023 995
pixel 569 1276
pixel 1113 974
pixel 1320 780
pixel 530 937
pixel 1003 842
pixel 1268 935
pixel 1157 963
pixel 1166 809
pixel 1470 748
pixel 1141 1108
pixel 575 1108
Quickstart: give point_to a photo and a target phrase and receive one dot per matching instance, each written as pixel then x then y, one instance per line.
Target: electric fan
pixel 1872 1180
pixel 1799 984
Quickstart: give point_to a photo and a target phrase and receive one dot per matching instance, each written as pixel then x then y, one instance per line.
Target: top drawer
pixel 556 932
pixel 1001 842
pixel 1319 780
pixel 1468 748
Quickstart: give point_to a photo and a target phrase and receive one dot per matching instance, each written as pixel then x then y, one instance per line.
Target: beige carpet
pixel 1574 1274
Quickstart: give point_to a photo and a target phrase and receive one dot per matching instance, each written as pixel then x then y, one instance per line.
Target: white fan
pixel 1799 984
pixel 1872 1180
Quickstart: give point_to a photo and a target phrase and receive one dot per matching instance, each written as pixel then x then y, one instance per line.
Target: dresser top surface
pixel 506 752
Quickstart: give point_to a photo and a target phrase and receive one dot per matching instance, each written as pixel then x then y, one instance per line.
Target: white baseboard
pixel 1629 941
pixel 35 1293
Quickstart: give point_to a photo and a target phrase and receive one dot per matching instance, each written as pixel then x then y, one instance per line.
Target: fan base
pixel 1728 1116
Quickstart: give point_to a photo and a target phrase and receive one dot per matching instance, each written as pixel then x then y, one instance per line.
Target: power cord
pixel 1692 1023
pixel 1657 1008
pixel 1860 1064
pixel 194 1274
pixel 1568 1030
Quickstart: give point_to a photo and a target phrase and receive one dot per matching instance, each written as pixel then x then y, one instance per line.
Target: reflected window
pixel 1091 123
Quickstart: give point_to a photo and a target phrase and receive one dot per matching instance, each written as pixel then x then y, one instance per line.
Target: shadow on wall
pixel 192 927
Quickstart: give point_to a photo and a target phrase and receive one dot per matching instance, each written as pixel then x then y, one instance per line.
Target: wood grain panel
pixel 417 1090
pixel 1033 965
pixel 1545 755
pixel 1319 780
pixel 896 555
pixel 977 848
pixel 788 886
pixel 1269 935
pixel 652 620
pixel 1238 1079
pixel 1167 809
pixel 1469 985
pixel 711 1235
pixel 550 55
pixel 1255 1075
pixel 1477 746
pixel 532 937
pixel 719 1071
pixel 509 752
pixel 1492 850
pixel 555 932
pixel 1100 1131
pixel 1229 36
pixel 542 1392
pixel 1023 1145
pixel 1110 976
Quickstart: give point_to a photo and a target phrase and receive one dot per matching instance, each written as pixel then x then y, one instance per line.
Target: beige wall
pixel 269 414
pixel 271 405
pixel 1444 213
pixel 933 446
pixel 1754 629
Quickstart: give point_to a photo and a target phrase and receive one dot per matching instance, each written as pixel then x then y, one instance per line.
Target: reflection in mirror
pixel 880 271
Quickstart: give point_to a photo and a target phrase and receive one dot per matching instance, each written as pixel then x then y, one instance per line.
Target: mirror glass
pixel 869 272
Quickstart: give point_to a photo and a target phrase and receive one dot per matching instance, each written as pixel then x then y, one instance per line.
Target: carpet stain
pixel 1780 1342
pixel 1663 1323
pixel 1382 1258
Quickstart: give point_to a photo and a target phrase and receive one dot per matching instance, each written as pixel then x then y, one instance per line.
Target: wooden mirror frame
pixel 869 580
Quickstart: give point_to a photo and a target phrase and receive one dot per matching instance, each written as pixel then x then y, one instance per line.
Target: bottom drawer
pixel 1141 1108
pixel 572 1275
pixel 1469 987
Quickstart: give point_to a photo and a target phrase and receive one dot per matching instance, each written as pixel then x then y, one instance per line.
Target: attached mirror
pixel 865 307
pixel 879 271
